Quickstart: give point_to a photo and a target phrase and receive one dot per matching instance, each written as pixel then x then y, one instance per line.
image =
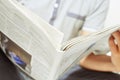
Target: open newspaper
pixel 35 47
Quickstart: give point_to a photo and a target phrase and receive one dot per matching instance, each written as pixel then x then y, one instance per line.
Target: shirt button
pixel 56 5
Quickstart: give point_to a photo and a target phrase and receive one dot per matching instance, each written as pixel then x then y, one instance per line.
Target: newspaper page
pixel 29 37
pixel 80 47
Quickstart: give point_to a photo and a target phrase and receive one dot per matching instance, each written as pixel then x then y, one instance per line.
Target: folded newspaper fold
pixel 35 46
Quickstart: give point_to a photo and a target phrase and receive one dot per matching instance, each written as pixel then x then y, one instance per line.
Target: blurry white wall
pixel 113 17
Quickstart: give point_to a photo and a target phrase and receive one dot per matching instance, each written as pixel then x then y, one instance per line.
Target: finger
pixel 112 45
pixel 116 35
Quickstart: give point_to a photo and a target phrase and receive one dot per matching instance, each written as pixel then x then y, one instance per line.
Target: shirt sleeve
pixel 96 16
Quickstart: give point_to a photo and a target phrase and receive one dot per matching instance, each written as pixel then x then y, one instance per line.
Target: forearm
pixel 98 63
pixel 84 32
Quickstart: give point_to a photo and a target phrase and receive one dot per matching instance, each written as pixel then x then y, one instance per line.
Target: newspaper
pixel 35 46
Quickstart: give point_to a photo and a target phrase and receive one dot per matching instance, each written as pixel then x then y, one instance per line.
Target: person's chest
pixel 58 9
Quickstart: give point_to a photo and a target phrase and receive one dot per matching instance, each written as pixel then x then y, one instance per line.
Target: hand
pixel 114 43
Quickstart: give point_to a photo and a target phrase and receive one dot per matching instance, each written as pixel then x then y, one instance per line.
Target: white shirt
pixel 70 16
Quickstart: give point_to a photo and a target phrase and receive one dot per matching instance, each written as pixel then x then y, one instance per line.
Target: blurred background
pixel 113 17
